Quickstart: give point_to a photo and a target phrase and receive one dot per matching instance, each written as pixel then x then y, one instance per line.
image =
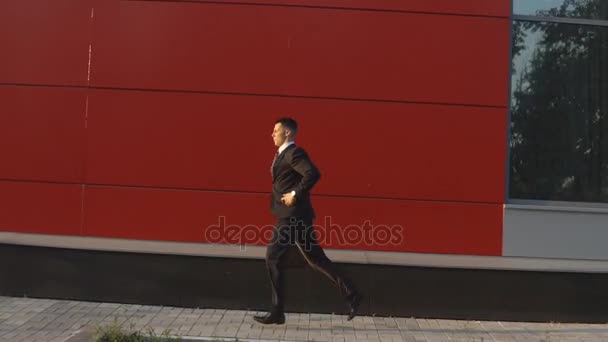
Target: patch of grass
pixel 116 332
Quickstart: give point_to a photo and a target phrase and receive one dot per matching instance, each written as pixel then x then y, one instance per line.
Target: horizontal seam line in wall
pixel 254 94
pixel 338 8
pixel 240 191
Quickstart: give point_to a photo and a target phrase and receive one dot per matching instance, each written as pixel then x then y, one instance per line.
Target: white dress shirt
pixel 284 146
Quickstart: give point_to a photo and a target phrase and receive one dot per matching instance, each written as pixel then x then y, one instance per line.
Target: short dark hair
pixel 288 123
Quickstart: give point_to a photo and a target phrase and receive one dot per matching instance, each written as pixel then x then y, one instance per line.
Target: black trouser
pixel 299 232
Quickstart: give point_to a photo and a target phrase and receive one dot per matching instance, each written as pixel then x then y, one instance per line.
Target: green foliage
pixel 116 332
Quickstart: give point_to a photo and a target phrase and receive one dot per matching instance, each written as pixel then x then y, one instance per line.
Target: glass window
pixel 559 112
pixel 584 9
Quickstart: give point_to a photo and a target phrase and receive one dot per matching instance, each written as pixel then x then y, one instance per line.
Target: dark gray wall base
pixel 207 282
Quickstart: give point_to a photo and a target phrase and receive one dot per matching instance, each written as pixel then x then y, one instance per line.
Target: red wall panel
pixel 426 226
pixel 179 215
pixel 40 207
pixel 301 51
pixel 42 133
pixel 472 7
pixel 223 142
pixel 436 227
pixel 44 42
pixel 441 163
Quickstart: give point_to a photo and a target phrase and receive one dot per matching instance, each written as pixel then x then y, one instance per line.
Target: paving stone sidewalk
pixel 27 319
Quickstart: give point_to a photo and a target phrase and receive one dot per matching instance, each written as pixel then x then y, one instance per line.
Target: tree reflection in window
pixel 559 126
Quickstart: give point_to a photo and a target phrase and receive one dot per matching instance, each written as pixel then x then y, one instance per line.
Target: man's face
pixel 279 134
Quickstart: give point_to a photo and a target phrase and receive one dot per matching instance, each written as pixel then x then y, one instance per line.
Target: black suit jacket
pixel 293 170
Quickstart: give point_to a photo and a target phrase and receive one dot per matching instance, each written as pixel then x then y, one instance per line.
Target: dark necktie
pixel 276 155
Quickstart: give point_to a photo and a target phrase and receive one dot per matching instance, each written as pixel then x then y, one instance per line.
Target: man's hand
pixel 288 199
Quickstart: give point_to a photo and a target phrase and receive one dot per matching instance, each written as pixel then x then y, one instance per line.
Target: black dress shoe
pixel 353 306
pixel 270 318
